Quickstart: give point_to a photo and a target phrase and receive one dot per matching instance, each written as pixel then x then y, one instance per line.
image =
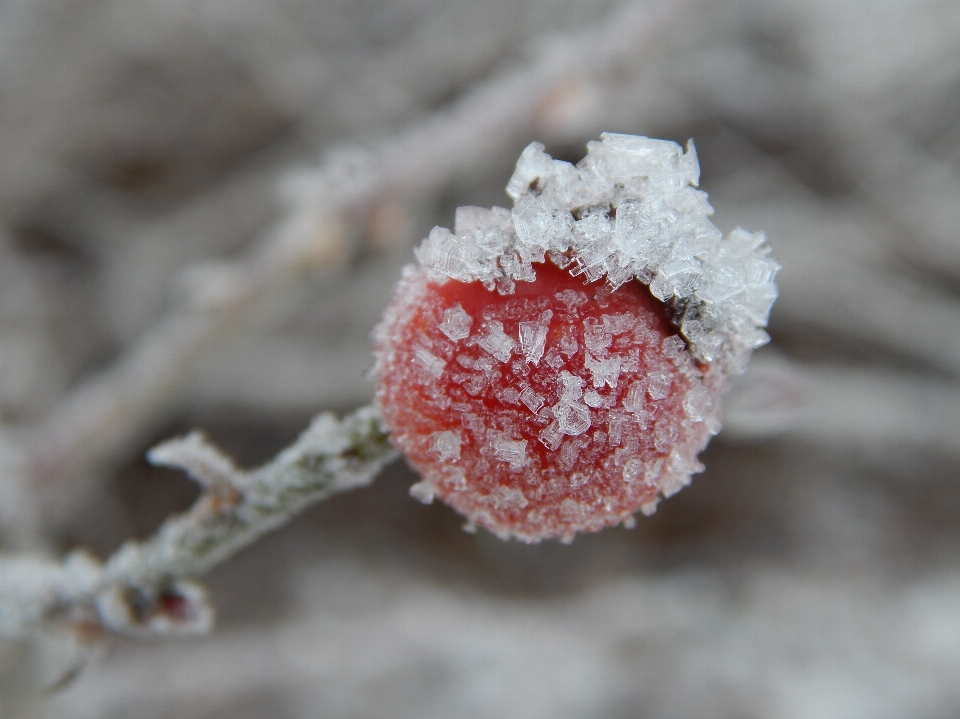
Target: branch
pixel 845 407
pixel 146 587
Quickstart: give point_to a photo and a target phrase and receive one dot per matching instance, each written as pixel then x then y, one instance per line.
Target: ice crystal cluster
pixel 555 368
pixel 629 210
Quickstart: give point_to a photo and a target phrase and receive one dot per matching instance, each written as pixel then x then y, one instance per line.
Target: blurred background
pixel 203 208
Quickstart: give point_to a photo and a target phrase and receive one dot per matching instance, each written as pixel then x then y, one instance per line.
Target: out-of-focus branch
pixel 844 407
pixel 902 181
pixel 147 587
pixel 893 173
pixel 835 280
pixel 19 513
pixel 102 418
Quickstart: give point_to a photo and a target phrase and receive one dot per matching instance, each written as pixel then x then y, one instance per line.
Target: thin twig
pixel 146 587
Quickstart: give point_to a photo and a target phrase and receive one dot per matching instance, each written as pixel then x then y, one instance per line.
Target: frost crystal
pixel 512 451
pixel 572 299
pixel 632 470
pixel 509 395
pixel 571 387
pixel 456 323
pixel 429 361
pixel 593 399
pixel 633 402
pixel 629 209
pixel 551 436
pixel 658 385
pixel 569 453
pixel 573 417
pixel 533 340
pixel 506 497
pixel 618 324
pixel 532 400
pixel 422 492
pixel 697 404
pixel 496 342
pixel 595 336
pixel 604 371
pixel 568 345
pixel 615 429
pixel 446 446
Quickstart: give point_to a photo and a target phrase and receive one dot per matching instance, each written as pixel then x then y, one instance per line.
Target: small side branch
pixel 147 587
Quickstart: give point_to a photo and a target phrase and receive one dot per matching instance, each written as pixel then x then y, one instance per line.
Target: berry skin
pixel 560 408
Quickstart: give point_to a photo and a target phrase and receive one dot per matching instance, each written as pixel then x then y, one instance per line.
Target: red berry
pixel 557 405
pixel 565 409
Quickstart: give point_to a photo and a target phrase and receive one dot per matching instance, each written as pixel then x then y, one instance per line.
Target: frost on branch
pixel 146 587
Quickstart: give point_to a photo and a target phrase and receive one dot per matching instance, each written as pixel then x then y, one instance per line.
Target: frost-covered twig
pixel 147 587
pixel 102 418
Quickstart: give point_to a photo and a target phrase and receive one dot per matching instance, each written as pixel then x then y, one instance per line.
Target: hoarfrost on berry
pixel 533 340
pixel 531 399
pixel 496 342
pixel 629 209
pixel 556 367
pixel 429 361
pixel 446 445
pixel 456 323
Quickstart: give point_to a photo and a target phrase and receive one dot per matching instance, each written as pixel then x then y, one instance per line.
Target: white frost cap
pixel 628 210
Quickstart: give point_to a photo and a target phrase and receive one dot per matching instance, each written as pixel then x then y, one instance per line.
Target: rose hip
pixel 559 409
pixel 555 368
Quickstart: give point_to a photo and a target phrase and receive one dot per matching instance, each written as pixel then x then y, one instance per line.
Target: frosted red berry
pixel 559 409
pixel 555 368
